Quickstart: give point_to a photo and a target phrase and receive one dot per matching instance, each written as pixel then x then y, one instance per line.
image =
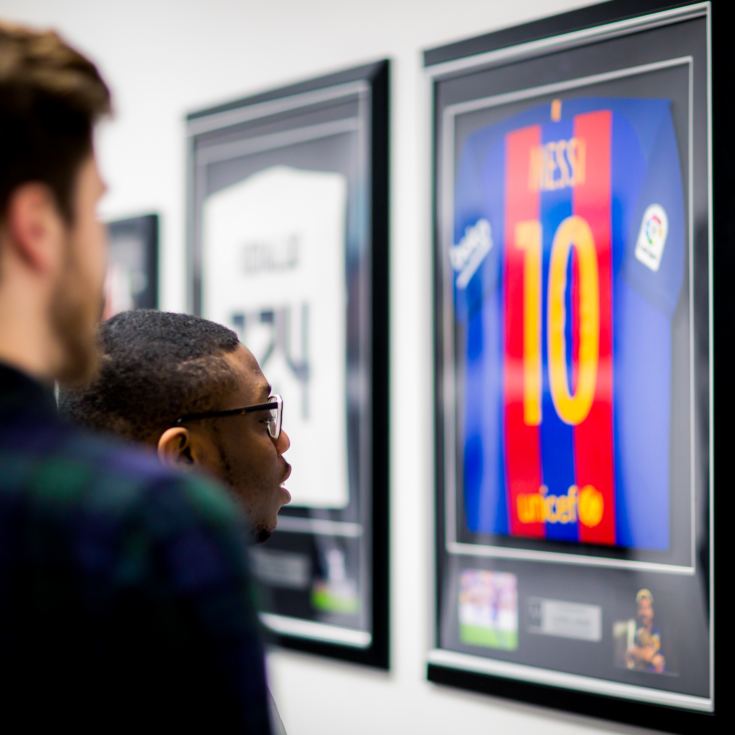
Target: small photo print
pixel 488 609
pixel 639 643
pixel 334 591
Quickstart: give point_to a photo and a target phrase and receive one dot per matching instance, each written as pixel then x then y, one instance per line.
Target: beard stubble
pixel 75 312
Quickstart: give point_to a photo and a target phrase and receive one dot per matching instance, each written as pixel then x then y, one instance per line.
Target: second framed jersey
pixel 288 246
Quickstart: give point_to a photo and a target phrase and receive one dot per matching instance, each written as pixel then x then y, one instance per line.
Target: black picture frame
pixel 330 131
pixel 477 84
pixel 133 272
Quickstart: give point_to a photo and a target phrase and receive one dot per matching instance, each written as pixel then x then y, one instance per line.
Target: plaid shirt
pixel 125 598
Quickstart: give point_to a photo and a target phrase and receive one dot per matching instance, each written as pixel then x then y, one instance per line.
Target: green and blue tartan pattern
pixel 121 582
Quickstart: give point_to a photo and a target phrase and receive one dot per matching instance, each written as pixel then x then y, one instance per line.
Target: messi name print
pixel 568 261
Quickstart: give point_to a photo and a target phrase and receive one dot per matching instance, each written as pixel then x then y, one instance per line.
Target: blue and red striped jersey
pixel 568 262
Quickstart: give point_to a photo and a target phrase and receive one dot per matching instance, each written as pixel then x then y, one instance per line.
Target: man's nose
pixel 283 442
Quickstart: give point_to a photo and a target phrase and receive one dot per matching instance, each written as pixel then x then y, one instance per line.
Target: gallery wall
pixel 167 58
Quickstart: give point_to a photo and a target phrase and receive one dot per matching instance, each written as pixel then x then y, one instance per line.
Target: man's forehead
pixel 249 373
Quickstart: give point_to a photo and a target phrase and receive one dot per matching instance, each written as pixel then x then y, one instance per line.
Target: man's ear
pixel 174 446
pixel 34 225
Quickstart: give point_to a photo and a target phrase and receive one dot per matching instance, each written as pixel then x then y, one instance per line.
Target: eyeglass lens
pixel 274 418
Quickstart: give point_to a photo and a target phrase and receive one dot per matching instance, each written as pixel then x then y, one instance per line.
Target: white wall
pixel 165 58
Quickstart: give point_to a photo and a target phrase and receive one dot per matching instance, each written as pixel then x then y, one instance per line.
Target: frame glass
pixel 575 413
pixel 288 246
pixel 132 267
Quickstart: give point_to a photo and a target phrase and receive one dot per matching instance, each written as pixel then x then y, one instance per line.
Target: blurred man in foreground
pixel 125 597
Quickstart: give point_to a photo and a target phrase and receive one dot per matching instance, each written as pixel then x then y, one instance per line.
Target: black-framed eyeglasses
pixel 274 406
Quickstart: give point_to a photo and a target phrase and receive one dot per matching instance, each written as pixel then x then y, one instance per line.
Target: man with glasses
pixel 187 388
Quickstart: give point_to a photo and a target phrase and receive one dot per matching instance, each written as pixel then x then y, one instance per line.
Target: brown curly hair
pixel 51 96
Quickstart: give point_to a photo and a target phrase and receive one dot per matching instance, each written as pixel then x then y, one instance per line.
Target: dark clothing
pixel 125 597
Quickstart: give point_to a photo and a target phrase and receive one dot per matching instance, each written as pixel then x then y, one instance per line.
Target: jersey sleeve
pixel 473 252
pixel 656 228
pixel 476 267
pixel 653 233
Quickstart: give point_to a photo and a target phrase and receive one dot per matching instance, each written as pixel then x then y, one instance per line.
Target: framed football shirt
pixel 575 416
pixel 569 258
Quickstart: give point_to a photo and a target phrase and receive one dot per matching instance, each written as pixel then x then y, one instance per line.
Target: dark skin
pixel 238 450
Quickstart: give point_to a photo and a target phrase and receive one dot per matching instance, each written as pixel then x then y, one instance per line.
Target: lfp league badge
pixel 652 237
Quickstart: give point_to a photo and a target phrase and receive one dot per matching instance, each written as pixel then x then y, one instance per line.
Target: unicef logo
pixel 591 506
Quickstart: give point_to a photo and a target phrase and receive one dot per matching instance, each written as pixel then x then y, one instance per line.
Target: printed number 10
pixel 573 233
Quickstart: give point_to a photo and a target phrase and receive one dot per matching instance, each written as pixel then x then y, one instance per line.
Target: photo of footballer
pixel 639 644
pixel 488 609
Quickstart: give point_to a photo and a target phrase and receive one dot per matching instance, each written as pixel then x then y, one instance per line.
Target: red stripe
pixel 593 438
pixel 522 442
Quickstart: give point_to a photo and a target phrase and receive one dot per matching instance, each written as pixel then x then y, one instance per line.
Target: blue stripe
pixel 557 437
pixel 642 351
pixel 485 495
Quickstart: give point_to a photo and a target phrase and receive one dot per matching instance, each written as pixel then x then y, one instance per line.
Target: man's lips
pixel 286 474
pixel 284 491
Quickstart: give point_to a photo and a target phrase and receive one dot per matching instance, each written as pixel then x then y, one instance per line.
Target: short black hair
pixel 155 366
